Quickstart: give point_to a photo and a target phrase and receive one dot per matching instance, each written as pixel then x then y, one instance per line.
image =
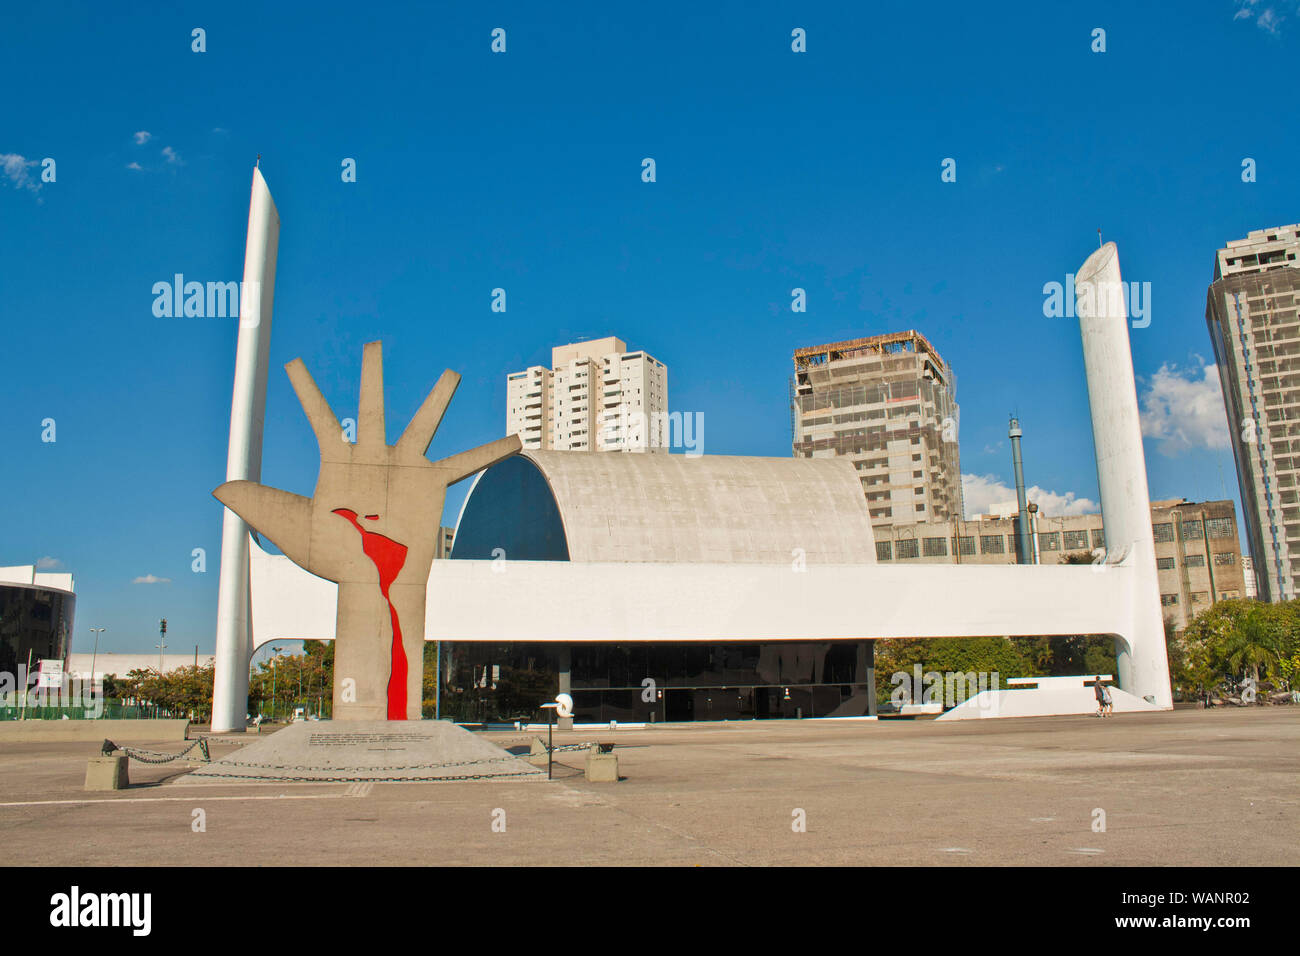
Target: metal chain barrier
pixel 157 757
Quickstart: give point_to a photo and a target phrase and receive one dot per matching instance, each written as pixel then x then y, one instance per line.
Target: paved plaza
pixel 1189 787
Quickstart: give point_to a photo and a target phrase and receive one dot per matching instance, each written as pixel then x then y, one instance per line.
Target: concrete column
pixel 244 459
pixel 866 671
pixel 1142 661
pixel 566 686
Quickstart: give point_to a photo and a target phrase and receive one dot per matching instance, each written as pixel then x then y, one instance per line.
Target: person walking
pixel 1100 690
pixel 1107 702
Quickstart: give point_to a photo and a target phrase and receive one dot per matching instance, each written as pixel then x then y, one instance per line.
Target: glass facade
pixel 511 512
pixel 34 619
pixel 659 682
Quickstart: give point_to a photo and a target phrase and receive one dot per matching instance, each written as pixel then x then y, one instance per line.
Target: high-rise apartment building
pixel 1252 314
pixel 596 396
pixel 888 404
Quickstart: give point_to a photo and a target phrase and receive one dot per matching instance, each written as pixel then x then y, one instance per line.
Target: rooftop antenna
pixel 259 163
pixel 1098 238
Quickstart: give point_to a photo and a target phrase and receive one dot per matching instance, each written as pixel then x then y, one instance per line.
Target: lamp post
pixel 275 659
pixel 95 654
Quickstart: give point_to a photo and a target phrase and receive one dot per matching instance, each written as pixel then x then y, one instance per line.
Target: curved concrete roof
pixel 621 506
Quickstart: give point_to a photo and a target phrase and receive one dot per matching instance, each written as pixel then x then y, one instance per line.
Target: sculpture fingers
pixel 457 467
pixel 280 516
pixel 323 420
pixel 370 413
pixel 419 433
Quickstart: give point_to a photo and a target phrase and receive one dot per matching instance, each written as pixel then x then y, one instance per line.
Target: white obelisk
pixel 1143 665
pixel 244 459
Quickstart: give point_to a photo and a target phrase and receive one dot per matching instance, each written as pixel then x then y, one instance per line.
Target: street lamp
pixel 94 654
pixel 275 659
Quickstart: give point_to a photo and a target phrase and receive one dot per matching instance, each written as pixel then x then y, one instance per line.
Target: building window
pixel 992 544
pixel 935 547
pixel 1219 527
pixel 1164 564
pixel 884 551
pixel 1073 540
pixel 1049 541
pixel 1200 597
pixel 1192 530
pixel 1225 557
pixel 1163 532
pixel 1098 538
pixel 1168 600
pixel 965 544
pixel 907 548
pixel 1194 560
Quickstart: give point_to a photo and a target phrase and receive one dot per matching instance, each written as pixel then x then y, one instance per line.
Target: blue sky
pixel 522 170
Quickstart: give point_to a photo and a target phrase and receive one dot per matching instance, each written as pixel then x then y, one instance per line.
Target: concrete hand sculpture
pixel 371 526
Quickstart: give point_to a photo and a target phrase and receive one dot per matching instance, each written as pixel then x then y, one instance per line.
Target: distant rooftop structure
pixel 1263 250
pixel 27 574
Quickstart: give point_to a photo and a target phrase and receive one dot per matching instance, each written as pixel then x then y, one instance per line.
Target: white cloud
pixel 150 579
pixel 980 492
pixel 1265 15
pixel 136 166
pixel 48 564
pixel 1183 410
pixel 143 137
pixel 172 156
pixel 15 168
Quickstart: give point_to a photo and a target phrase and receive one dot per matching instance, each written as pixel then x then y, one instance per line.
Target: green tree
pixel 983 655
pixel 1255 643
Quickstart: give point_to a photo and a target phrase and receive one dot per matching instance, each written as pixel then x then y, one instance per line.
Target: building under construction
pixel 888 404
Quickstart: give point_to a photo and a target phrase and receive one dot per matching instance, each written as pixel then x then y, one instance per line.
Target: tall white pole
pixel 244 459
pixel 1142 662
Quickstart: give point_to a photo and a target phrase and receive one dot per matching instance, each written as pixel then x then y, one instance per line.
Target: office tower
pixel 596 396
pixel 887 403
pixel 1253 321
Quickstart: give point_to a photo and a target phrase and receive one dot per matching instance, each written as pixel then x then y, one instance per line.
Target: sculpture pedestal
pixel 352 750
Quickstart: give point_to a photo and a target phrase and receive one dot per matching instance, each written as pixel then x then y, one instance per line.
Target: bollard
pixel 107 773
pixel 602 764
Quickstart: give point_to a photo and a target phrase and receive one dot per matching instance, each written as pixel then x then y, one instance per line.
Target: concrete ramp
pixel 1045 697
pixel 370 750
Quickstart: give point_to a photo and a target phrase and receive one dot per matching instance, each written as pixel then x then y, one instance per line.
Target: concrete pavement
pixel 1188 787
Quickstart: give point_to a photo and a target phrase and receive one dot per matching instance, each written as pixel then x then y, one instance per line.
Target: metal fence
pixel 110 711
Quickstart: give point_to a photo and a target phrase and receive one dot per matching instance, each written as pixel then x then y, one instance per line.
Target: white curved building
pixel 729 509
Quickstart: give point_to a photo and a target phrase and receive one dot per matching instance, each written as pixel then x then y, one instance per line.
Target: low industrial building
pixel 1198 550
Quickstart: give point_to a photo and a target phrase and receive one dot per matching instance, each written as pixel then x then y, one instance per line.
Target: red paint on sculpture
pixel 388 557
